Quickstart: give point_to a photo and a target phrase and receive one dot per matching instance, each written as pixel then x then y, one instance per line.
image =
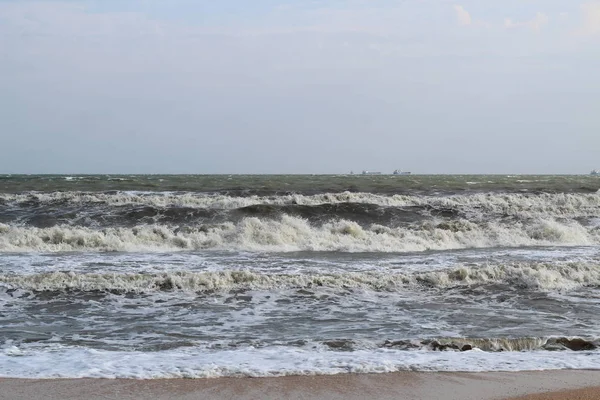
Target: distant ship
pixel 396 172
pixel 595 172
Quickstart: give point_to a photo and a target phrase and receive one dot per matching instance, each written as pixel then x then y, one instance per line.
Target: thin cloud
pixel 536 24
pixel 464 17
pixel 591 19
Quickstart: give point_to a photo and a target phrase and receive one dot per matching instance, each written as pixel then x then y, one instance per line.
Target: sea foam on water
pixel 208 276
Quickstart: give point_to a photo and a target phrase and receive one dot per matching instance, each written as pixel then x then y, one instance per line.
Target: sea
pixel 201 276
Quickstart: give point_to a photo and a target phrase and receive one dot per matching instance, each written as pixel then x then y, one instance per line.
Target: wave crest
pixel 498 344
pixel 509 204
pixel 532 276
pixel 297 234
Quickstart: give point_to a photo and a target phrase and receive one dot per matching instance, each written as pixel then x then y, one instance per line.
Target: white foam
pixel 528 275
pixel 73 362
pixel 555 204
pixel 297 234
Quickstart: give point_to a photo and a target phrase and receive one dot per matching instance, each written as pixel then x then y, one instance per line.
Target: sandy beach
pixel 549 385
pixel 581 394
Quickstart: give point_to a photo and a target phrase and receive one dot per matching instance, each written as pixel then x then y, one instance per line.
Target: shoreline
pixel 399 385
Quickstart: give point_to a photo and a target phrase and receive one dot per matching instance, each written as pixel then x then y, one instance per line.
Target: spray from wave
pixel 547 203
pixel 297 234
pixel 528 276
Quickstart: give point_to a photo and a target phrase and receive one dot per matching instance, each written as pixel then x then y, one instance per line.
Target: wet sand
pixel 581 394
pixel 404 385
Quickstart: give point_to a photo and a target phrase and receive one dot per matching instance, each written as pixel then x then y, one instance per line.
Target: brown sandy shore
pixel 403 385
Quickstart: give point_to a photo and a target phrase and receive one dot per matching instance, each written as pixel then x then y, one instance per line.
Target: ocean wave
pixel 43 217
pixel 297 234
pixel 118 210
pixel 78 362
pixel 564 204
pixel 551 343
pixel 521 275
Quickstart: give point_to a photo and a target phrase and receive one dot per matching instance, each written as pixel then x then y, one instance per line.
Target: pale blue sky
pixel 194 86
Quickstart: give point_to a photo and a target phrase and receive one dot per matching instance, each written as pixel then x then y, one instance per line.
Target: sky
pixel 321 86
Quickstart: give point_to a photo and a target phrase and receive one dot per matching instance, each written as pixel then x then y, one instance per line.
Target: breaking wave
pixel 547 203
pixel 528 276
pixel 79 362
pixel 483 344
pixel 297 234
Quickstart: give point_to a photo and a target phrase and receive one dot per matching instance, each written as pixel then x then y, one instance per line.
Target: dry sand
pixel 404 385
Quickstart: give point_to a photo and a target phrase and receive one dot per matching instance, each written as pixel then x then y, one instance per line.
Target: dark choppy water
pixel 170 276
pixel 265 185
